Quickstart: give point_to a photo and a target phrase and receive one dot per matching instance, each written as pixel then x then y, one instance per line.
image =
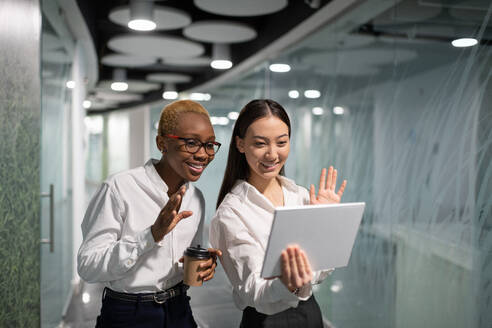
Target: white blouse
pixel 240 229
pixel 118 247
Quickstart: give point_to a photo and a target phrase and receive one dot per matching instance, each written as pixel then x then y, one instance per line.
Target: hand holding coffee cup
pixel 199 265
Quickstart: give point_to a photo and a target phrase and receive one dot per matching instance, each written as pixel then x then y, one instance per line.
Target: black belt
pixel 159 297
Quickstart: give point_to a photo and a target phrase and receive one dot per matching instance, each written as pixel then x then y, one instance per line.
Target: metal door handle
pixel 51 240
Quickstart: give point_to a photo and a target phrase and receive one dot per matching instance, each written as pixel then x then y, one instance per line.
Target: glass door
pixel 56 200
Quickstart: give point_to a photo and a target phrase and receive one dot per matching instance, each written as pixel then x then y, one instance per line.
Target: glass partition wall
pixel 382 94
pixel 56 171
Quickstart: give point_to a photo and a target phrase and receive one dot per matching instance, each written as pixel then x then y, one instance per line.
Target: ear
pixel 240 144
pixel 161 144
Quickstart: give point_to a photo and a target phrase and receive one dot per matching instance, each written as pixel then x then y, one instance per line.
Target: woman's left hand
pixel 208 267
pixel 327 185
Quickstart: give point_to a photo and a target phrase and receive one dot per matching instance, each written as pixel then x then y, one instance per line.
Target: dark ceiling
pixel 268 27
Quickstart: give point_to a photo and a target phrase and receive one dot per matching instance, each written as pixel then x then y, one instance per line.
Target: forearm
pixel 103 259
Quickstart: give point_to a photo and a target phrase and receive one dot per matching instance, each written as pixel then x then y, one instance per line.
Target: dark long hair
pixel 237 167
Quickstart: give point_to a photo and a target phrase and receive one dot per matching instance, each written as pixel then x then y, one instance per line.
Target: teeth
pixel 196 166
pixel 269 165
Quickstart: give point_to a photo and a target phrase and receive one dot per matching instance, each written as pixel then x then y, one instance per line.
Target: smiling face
pixel 180 164
pixel 266 146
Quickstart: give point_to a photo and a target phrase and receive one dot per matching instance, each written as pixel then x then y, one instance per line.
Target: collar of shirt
pixel 245 190
pixel 160 186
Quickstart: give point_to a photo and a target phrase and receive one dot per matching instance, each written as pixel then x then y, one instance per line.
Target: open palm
pixel 327 185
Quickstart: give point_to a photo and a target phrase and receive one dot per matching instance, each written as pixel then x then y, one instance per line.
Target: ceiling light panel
pixel 168 78
pixel 241 8
pixel 195 61
pixel 121 60
pixel 166 18
pixel 219 32
pixel 156 46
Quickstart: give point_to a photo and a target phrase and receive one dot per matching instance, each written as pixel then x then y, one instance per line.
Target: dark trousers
pixel 174 313
pixel 306 315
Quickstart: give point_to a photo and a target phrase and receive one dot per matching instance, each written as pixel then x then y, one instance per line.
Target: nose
pixel 271 153
pixel 201 154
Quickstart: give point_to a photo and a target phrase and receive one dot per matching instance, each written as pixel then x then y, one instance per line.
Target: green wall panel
pixel 19 163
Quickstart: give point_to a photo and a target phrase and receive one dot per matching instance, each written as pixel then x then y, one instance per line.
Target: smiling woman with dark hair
pixel 135 235
pixel 253 185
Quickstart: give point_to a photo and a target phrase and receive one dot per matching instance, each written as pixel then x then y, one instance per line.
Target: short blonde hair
pixel 171 112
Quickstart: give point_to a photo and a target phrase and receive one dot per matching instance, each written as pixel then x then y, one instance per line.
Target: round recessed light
pixel 142 25
pixel 338 110
pixel 170 95
pixel 279 68
pixel 464 42
pixel 294 94
pixel 318 111
pixel 198 96
pixel 221 64
pixel 119 86
pixel 233 115
pixel 70 84
pixel 165 18
pixel 86 104
pixel 312 94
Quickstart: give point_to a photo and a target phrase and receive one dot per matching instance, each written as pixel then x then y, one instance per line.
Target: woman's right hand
pixel 169 216
pixel 296 271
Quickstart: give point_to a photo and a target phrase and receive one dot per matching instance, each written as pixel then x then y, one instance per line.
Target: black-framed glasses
pixel 193 145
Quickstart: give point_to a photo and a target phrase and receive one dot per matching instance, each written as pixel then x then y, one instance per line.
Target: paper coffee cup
pixel 193 257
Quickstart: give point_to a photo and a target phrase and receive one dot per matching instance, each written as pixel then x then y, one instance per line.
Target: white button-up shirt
pixel 240 229
pixel 118 247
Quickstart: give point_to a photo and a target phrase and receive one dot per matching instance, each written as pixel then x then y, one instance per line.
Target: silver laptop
pixel 325 232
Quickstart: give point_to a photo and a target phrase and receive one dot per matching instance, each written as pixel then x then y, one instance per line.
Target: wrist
pixel 156 233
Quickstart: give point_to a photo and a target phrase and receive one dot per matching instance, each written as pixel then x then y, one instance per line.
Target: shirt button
pixel 129 262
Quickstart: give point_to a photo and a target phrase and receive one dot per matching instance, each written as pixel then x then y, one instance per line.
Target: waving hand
pixel 327 185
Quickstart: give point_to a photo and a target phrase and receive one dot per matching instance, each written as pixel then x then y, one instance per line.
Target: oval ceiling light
pixel 279 68
pixel 313 94
pixel 141 15
pixel 318 111
pixel 464 42
pixel 240 7
pixel 219 31
pixel 294 94
pixel 159 46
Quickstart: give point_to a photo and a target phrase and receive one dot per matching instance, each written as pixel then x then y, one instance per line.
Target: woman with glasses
pixel 252 187
pixel 139 223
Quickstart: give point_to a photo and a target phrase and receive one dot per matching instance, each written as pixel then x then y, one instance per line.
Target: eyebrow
pixel 265 138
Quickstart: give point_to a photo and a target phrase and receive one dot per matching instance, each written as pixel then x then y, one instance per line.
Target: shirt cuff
pixel 305 292
pixel 145 241
pixel 283 293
